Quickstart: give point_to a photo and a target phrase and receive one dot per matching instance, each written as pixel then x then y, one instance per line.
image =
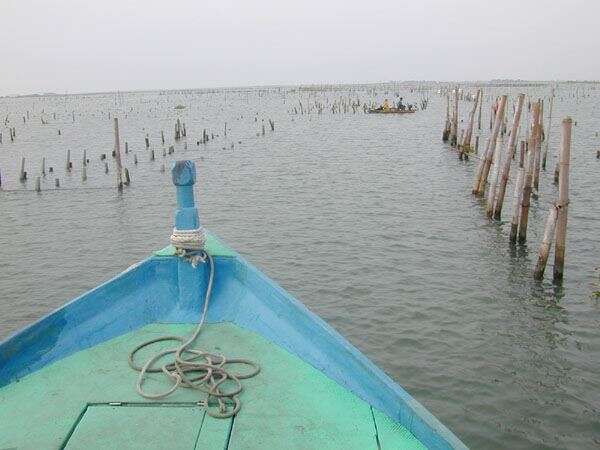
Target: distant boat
pixel 391 111
pixel 65 381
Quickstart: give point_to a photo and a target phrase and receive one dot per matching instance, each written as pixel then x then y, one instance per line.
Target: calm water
pixel 368 219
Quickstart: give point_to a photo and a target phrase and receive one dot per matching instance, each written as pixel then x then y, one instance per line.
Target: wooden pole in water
pixel 466 143
pixel 538 150
pixel 548 131
pixel 68 164
pixel 540 267
pixel 447 126
pixel 526 195
pixel 454 132
pixel 493 182
pixel 38 185
pixel 44 165
pixel 480 106
pixel 22 173
pixel 486 161
pixel 118 156
pixel 510 149
pixel 563 200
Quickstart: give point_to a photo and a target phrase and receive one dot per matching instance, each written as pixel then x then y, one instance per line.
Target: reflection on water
pixel 368 219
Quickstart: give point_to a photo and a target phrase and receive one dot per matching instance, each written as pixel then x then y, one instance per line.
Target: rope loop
pixel 194 368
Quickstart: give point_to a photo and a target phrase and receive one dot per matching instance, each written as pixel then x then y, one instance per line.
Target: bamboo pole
pixel 548 131
pixel 480 106
pixel 447 126
pixel 454 133
pixel 540 267
pixel 466 143
pixel 22 173
pixel 563 200
pixel 486 161
pixel 493 182
pixel 526 195
pixel 118 156
pixel 510 150
pixel 538 150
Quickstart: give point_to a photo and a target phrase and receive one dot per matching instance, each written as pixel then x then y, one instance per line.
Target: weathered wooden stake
pixel 83 173
pixel 44 165
pixel 516 210
pixel 454 130
pixel 486 161
pixel 466 143
pixel 127 178
pixel 56 182
pixel 22 173
pixel 68 163
pixel 548 131
pixel 538 152
pixel 480 107
pixel 540 267
pixel 38 185
pixel 118 156
pixel 447 125
pixel 527 185
pixel 563 200
pixel 510 150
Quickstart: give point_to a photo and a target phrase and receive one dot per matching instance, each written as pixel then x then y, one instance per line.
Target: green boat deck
pixel 88 400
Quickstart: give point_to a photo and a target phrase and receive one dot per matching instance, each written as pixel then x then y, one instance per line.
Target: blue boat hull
pixel 169 289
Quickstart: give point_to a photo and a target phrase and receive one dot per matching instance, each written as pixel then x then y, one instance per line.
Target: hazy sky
pixel 98 45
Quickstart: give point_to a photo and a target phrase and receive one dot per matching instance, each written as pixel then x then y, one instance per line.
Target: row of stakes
pixel 123 175
pixel 528 172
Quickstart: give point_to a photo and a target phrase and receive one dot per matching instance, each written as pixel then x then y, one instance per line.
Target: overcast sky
pixel 86 45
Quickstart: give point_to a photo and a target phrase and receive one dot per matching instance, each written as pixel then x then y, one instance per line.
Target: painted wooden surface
pixel 288 405
pixel 139 428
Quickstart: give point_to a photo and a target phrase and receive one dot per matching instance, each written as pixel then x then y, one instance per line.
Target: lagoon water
pixel 367 219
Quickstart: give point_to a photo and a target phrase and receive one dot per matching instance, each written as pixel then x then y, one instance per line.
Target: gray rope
pixel 194 368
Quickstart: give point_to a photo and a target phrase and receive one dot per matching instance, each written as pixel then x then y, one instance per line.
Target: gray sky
pixel 99 45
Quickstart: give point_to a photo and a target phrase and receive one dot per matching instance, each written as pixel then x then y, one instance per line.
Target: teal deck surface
pixel 88 401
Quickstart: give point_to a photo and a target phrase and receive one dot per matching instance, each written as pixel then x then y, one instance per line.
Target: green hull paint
pixel 289 405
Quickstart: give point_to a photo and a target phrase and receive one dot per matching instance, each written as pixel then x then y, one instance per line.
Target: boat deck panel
pixel 139 428
pixel 289 405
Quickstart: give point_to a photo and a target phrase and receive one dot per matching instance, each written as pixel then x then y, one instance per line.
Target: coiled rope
pixel 192 367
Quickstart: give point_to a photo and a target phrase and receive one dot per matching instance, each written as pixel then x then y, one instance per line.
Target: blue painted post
pixel 184 178
pixel 190 279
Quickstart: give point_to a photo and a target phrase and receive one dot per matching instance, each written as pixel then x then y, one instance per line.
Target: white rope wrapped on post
pixel 188 243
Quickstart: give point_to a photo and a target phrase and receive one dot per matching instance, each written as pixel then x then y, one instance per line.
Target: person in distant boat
pixel 401 106
pixel 386 105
